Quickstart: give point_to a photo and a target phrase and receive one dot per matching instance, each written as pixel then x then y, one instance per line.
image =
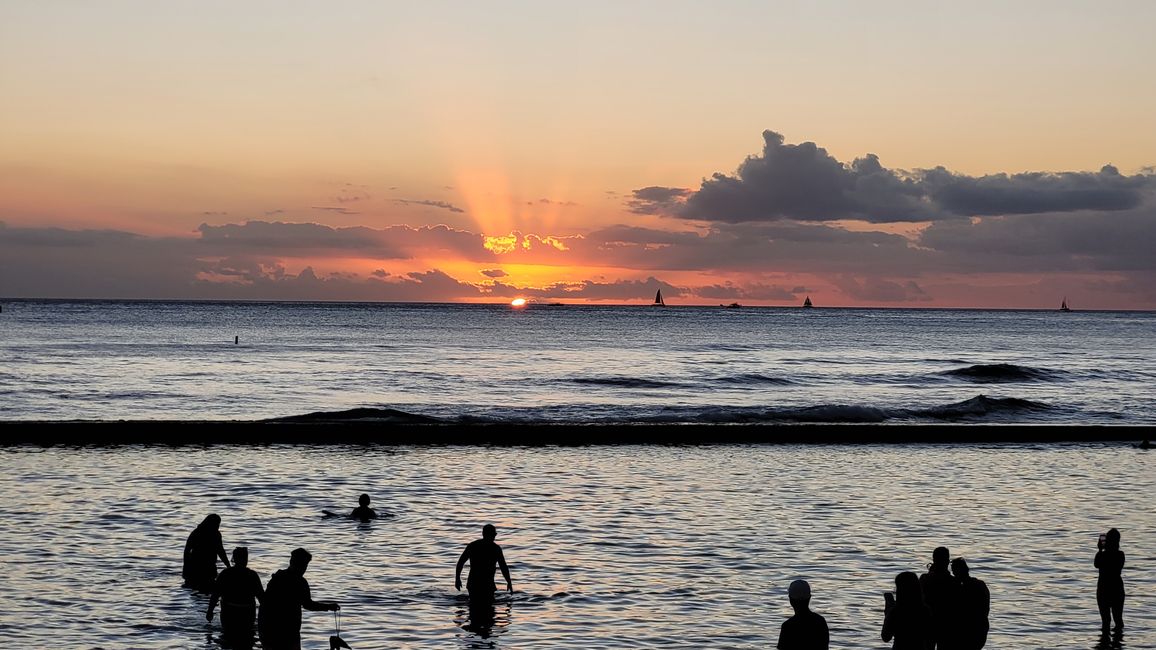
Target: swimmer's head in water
pixel 489 532
pixel 363 500
pixel 241 556
pixel 300 558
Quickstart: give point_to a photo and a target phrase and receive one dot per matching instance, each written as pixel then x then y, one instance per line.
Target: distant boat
pixel 658 299
pixel 807 302
pixel 733 305
pixel 1064 305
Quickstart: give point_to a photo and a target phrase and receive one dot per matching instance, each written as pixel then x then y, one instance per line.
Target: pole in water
pixel 236 340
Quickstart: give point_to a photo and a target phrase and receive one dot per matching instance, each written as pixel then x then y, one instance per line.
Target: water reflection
pixel 483 622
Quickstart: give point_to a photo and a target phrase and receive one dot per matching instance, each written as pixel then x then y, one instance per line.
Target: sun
pixel 518 302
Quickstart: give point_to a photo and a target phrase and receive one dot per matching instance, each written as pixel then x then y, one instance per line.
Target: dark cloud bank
pixel 803 182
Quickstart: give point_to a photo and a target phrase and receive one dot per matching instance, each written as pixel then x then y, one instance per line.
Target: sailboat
pixel 658 299
pixel 1064 305
pixel 807 303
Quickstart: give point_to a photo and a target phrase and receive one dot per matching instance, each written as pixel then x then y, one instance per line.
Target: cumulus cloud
pixel 876 289
pixel 806 183
pixel 755 291
pixel 443 205
pixel 494 273
pixel 656 199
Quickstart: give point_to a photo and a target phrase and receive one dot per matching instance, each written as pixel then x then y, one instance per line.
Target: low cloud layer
pixel 804 182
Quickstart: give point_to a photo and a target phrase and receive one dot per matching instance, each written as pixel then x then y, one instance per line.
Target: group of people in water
pixel 943 609
pixel 946 608
pixel 238 590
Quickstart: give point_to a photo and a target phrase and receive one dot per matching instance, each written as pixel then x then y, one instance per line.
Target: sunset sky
pixel 920 154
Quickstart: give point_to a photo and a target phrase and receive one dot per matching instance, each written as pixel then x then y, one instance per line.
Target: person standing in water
pixel 1110 585
pixel 482 555
pixel 974 605
pixel 202 549
pixel 238 589
pixel 363 511
pixel 941 595
pixel 906 619
pixel 806 630
pixel 279 623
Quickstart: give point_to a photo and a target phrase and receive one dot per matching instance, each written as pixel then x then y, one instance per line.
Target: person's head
pixel 212 522
pixel 907 588
pixel 489 532
pixel 241 556
pixel 799 593
pixel 940 557
pixel 363 501
pixel 959 568
pixel 299 559
pixel 1112 540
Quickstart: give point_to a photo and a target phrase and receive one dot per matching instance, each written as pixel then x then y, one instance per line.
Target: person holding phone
pixel 1110 585
pixel 906 619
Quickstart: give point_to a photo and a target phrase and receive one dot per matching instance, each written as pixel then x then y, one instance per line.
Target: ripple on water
pixel 609 547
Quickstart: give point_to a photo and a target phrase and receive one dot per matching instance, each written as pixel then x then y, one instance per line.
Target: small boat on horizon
pixel 733 305
pixel 658 302
pixel 1064 305
pixel 807 303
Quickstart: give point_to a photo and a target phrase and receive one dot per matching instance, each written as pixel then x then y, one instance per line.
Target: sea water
pixel 179 360
pixel 609 547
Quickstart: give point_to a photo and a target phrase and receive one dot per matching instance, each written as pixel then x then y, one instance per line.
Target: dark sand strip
pixel 378 432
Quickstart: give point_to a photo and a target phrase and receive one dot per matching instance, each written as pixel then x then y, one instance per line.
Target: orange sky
pixel 547 123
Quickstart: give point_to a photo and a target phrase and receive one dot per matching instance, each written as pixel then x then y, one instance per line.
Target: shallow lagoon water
pixel 610 547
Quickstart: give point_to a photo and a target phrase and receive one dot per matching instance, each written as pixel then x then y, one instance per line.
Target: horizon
pixel 979 157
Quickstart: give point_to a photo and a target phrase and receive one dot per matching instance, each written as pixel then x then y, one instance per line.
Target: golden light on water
pixel 518 302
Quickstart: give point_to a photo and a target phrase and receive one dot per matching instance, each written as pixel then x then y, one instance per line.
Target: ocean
pixel 609 547
pixel 109 360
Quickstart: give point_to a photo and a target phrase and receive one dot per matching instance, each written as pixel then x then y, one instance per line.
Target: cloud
pixel 754 291
pixel 875 289
pixel 211 213
pixel 656 200
pixel 494 273
pixel 337 209
pixel 804 182
pixel 564 204
pixel 299 239
pixel 618 291
pixel 433 204
pixel 273 213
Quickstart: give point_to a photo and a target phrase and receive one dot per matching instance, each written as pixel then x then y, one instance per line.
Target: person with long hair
pixel 907 619
pixel 202 549
pixel 1110 585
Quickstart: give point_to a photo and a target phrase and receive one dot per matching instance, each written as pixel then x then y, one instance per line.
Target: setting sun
pixel 518 302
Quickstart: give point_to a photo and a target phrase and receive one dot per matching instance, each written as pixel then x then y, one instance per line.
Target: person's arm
pixel 826 639
pixel 1099 555
pixel 505 570
pixel 258 590
pixel 221 551
pixel 782 631
pixel 317 605
pixel 461 563
pixel 213 598
pixel 888 625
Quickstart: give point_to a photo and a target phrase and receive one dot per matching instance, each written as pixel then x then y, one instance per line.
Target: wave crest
pixel 991 373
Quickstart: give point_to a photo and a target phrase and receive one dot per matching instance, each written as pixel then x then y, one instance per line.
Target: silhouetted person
pixel 201 552
pixel 940 594
pixel 906 618
pixel 482 555
pixel 238 588
pixel 279 623
pixel 973 606
pixel 1110 586
pixel 806 630
pixel 363 511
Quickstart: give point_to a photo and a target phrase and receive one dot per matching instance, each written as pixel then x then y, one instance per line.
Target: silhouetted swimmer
pixel 482 555
pixel 279 623
pixel 238 588
pixel 806 630
pixel 974 605
pixel 941 595
pixel 202 549
pixel 236 340
pixel 906 618
pixel 363 511
pixel 1110 585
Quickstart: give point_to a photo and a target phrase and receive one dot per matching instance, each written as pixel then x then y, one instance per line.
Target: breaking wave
pixel 993 373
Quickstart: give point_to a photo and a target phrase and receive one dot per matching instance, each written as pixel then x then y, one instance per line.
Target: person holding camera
pixel 1110 585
